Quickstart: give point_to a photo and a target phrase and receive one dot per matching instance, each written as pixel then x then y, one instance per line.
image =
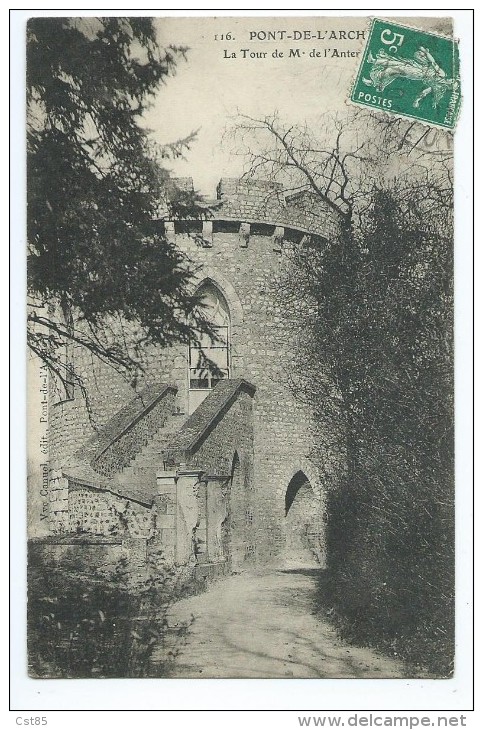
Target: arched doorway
pixel 304 524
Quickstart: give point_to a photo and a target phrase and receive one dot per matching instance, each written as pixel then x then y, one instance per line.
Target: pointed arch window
pixel 209 357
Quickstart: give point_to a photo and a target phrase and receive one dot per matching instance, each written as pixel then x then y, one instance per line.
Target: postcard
pixel 240 330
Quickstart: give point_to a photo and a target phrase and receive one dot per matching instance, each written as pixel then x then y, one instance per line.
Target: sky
pixel 209 89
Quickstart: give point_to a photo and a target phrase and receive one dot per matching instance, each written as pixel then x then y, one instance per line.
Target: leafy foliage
pixel 89 624
pixel 376 368
pixel 101 273
pixel 389 348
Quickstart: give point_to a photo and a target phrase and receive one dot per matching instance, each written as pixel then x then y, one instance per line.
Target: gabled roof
pixel 84 475
pixel 190 436
pixel 124 419
pixel 207 415
pixel 81 468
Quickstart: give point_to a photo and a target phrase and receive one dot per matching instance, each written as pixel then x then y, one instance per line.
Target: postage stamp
pixel 410 73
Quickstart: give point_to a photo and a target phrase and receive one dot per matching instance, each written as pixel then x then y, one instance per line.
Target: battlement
pixel 249 202
pixel 247 187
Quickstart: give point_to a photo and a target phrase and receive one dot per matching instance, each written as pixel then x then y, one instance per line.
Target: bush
pixel 392 576
pixel 385 333
pixel 85 625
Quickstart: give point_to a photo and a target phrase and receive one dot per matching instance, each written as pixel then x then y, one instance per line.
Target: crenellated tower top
pixel 263 207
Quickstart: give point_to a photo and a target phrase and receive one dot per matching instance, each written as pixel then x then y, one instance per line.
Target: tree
pixel 382 332
pixel 101 273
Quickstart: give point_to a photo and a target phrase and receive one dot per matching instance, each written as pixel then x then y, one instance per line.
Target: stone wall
pixel 122 441
pixel 263 348
pixel 200 513
pixel 226 456
pixel 246 251
pixel 78 553
pixel 103 513
pixel 73 421
pixel 58 499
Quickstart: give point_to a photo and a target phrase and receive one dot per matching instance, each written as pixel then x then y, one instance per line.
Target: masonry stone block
pixel 266 437
pixel 188 513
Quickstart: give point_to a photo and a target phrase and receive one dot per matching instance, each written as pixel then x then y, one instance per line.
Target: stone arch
pixel 198 389
pixel 304 520
pixel 311 472
pixel 210 359
pixel 213 275
pixel 297 482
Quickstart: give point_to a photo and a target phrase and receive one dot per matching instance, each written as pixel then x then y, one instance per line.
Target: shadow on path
pixel 265 624
pixel 311 572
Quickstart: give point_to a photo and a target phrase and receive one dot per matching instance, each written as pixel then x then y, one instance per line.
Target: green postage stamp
pixel 411 73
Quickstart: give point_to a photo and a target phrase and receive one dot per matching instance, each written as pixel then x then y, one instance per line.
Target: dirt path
pixel 264 625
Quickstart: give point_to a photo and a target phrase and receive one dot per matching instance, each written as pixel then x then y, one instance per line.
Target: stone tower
pixel 219 467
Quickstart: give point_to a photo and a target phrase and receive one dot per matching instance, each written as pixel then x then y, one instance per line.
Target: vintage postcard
pixel 240 330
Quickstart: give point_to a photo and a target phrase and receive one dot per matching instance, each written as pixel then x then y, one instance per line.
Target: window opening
pixel 209 357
